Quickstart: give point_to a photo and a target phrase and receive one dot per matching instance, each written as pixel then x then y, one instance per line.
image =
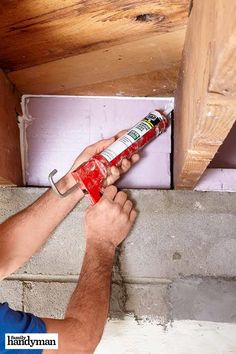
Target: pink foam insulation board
pixel 217 179
pixel 221 172
pixel 55 129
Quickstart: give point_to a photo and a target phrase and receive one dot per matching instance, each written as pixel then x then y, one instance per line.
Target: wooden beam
pixel 223 66
pixel 155 53
pixel 33 32
pixel 10 157
pixel 202 118
pixel 150 84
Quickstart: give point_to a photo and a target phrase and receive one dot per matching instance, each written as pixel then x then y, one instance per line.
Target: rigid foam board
pixel 55 129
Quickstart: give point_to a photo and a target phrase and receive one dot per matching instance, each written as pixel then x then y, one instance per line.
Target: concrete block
pixel 12 292
pixel 13 200
pixel 63 253
pixel 181 233
pixel 177 234
pixel 203 299
pixel 47 299
pixel 148 300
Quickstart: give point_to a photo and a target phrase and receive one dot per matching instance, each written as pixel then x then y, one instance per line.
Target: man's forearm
pixel 90 301
pixel 86 315
pixel 24 233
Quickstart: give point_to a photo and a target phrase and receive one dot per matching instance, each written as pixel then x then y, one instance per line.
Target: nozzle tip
pixel 168 109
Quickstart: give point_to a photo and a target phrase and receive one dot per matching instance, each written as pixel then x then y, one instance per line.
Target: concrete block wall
pixel 178 263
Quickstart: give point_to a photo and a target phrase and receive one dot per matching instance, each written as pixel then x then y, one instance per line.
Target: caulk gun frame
pixel 56 190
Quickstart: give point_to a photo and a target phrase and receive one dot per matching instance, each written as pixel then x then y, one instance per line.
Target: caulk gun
pixel 90 175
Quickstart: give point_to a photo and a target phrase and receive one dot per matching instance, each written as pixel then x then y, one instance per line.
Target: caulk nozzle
pixel 168 109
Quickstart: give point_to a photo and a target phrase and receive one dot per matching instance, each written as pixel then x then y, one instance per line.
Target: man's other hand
pixel 91 150
pixel 109 221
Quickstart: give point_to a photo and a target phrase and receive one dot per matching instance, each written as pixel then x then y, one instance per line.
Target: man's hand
pixel 109 221
pixel 91 150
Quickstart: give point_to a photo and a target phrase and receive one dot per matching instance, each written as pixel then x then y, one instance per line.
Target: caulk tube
pixel 90 175
pixel 154 124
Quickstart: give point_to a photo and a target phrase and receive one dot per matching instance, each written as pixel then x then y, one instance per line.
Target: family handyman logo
pixel 31 341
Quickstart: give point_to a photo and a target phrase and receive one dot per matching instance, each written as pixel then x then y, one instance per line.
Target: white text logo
pixel 31 341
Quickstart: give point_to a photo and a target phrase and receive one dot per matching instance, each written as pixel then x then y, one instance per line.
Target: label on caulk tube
pixel 132 136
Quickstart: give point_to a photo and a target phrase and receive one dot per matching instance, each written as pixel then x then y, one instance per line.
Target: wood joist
pixel 10 159
pixel 205 106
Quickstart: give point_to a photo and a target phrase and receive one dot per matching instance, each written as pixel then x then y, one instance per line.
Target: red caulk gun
pixel 90 175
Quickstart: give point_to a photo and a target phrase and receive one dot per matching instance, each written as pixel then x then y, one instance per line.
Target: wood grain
pixel 202 119
pixel 223 76
pixel 33 32
pixel 10 159
pixel 155 53
pixel 156 83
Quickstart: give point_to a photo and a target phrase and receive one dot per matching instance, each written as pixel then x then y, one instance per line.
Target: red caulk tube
pixel 90 175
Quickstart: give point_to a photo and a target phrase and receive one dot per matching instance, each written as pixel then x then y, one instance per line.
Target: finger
pixel 115 172
pixel 135 158
pixel 120 133
pixel 121 198
pixel 125 165
pixel 128 206
pixel 110 192
pixel 99 146
pixel 133 215
pixel 113 176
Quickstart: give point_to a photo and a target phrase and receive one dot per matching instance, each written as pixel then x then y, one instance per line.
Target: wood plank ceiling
pixel 93 47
